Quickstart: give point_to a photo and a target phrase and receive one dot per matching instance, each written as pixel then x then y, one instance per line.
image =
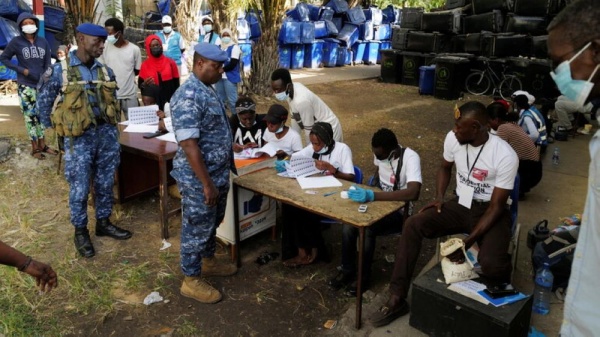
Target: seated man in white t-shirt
pixel 306 107
pixel 486 167
pixel 398 174
pixel 302 233
pixel 285 139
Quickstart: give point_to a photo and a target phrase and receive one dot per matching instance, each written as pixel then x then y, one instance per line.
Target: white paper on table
pixel 141 128
pixel 318 182
pixel 302 167
pixel 168 137
pixel 270 149
pixel 124 123
pixel 143 114
pixel 168 123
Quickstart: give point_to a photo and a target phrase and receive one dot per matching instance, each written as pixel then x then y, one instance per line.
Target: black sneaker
pixel 340 280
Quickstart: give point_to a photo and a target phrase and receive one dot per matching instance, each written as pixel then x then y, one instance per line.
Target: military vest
pixel 73 112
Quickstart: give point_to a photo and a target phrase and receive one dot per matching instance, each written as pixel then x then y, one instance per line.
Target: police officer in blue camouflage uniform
pixel 94 155
pixel 201 168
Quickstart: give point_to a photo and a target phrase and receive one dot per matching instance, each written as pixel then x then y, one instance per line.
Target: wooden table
pixel 288 191
pixel 139 173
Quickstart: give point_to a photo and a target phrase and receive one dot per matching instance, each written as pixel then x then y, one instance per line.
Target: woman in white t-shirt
pixel 285 139
pixel 301 227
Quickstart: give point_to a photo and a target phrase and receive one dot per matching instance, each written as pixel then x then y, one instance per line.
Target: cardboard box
pixel 256 212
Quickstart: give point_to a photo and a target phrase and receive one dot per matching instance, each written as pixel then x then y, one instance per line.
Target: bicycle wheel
pixel 477 83
pixel 509 84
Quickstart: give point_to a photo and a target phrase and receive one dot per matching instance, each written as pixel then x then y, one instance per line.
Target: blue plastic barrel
pixel 290 32
pixel 313 54
pixel 348 35
pixel 358 50
pixel 308 32
pixel 285 56
pixel 297 56
pixel 426 79
pixel 341 56
pixel 330 52
pixel 246 48
pixel 372 52
pixel 8 30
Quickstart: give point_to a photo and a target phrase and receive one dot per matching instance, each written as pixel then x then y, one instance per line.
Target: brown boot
pixel 213 267
pixel 195 287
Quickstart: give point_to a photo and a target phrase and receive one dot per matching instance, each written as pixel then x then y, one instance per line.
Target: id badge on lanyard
pixel 464 191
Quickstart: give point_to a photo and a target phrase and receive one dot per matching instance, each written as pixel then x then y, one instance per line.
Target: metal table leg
pixel 163 201
pixel 236 227
pixel 361 248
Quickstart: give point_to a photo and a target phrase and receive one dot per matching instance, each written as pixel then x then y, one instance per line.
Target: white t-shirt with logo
pixel 289 143
pixel 410 171
pixel 496 166
pixel 310 108
pixel 340 157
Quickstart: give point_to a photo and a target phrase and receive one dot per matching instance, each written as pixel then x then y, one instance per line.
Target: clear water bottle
pixel 543 290
pixel 555 156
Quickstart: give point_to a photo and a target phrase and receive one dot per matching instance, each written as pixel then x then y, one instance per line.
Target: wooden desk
pixel 138 173
pixel 288 191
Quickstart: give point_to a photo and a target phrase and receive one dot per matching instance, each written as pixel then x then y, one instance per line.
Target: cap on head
pixel 92 30
pixel 207 18
pixel 277 114
pixel 167 20
pixel 245 104
pixel 210 52
pixel 530 97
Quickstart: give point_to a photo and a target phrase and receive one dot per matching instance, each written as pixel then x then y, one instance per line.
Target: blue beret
pixel 92 30
pixel 211 52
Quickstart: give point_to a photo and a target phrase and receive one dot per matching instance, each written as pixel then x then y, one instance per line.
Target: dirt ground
pixel 268 300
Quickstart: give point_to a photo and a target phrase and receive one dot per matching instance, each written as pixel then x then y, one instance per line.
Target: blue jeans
pixel 388 225
pixel 228 93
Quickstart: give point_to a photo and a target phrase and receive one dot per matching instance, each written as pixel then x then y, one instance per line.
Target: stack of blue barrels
pixel 334 35
pixel 248 28
pixel 54 24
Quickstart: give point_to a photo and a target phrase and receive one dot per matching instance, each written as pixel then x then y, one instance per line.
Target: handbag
pixel 456 272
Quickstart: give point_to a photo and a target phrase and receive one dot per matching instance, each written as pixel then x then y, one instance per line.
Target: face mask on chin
pixel 62 58
pixel 576 90
pixel 323 150
pixel 29 29
pixel 280 130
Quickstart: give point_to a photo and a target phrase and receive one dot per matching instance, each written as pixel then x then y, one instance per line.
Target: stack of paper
pixel 269 149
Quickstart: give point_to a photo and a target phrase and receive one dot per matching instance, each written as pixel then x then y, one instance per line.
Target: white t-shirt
pixel 410 171
pixel 123 61
pixel 289 143
pixel 308 108
pixel 236 52
pixel 496 166
pixel 340 157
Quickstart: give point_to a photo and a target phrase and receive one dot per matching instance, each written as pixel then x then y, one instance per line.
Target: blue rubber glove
pixel 361 195
pixel 280 165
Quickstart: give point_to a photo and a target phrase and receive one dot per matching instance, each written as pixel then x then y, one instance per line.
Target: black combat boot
pixel 83 243
pixel 105 228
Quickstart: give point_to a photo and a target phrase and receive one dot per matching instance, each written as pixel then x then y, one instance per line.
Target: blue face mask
pixel 226 40
pixel 281 96
pixel 112 39
pixel 323 150
pixel 280 130
pixel 575 90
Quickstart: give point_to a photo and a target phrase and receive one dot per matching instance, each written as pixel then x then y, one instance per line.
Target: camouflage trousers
pixel 92 157
pixel 28 98
pixel 199 226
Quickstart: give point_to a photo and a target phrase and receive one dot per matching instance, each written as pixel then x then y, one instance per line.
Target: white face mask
pixel 62 58
pixel 29 29
pixel 323 150
pixel 575 90
pixel 167 29
pixel 226 40
pixel 112 39
pixel 207 28
pixel 280 130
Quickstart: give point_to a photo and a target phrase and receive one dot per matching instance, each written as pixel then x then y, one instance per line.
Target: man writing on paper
pixel 486 167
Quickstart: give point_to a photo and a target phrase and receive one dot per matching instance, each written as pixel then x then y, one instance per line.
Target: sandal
pixel 49 150
pixel 298 261
pixel 385 315
pixel 37 154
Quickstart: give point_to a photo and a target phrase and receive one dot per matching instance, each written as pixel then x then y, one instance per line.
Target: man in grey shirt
pixel 125 59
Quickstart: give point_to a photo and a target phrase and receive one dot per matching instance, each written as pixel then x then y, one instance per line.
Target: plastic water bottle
pixel 555 156
pixel 543 290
